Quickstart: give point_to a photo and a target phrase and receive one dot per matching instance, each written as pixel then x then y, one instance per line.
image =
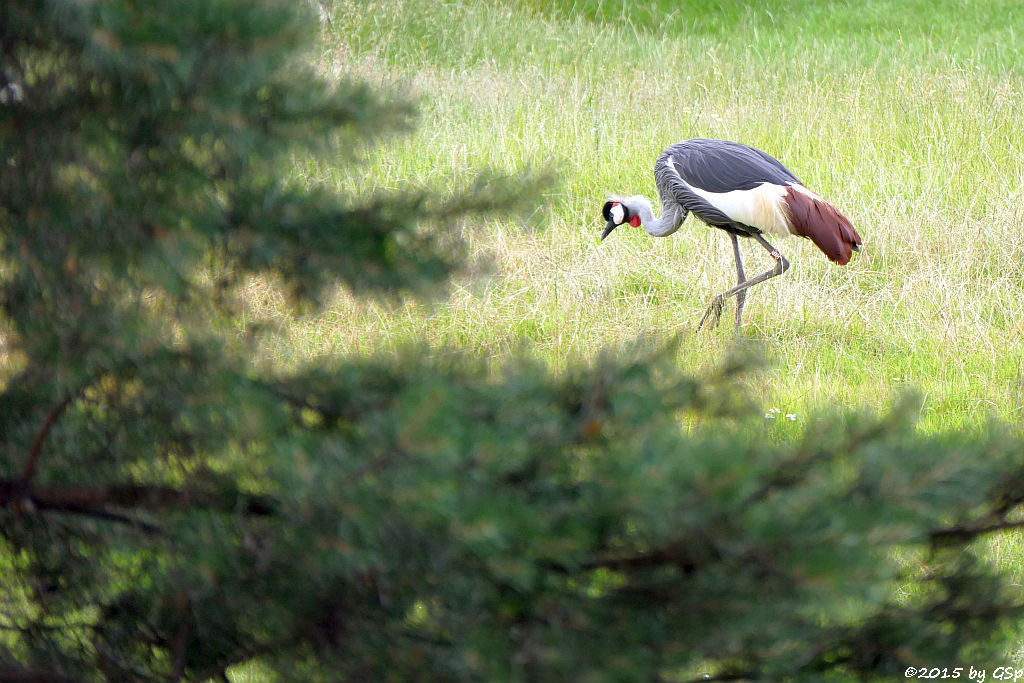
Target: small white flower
pixel 791 416
pixel 769 415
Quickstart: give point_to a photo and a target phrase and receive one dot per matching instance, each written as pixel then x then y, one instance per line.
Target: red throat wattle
pixel 635 221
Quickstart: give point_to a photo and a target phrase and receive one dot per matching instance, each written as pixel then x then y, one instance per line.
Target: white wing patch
pixel 759 207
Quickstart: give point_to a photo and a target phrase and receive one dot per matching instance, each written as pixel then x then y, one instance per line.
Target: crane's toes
pixel 714 310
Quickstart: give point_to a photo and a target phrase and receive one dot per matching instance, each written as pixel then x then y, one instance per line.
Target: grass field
pixel 905 114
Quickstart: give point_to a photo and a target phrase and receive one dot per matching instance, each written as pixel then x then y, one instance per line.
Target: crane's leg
pixel 741 277
pixel 781 266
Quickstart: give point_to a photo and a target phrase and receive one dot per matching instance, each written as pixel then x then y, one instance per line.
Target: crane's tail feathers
pixel 812 217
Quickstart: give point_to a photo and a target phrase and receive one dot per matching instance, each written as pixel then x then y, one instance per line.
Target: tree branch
pixel 139 496
pixel 671 554
pixel 37 445
pixel 96 513
pixel 96 501
pixel 965 532
pixel 179 650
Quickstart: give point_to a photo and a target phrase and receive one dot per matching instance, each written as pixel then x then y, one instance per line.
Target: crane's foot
pixel 714 311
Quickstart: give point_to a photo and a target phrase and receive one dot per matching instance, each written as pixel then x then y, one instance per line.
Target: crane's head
pixel 617 212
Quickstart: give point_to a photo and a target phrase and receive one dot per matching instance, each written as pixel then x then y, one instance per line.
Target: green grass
pixel 905 114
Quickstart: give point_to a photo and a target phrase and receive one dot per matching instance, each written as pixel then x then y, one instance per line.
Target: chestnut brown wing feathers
pixel 812 217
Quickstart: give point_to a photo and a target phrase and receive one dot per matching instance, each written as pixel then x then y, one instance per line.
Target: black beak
pixel 608 229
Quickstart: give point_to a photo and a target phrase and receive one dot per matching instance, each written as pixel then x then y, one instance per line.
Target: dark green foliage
pixel 169 510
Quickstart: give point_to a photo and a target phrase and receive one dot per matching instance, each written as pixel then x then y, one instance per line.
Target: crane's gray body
pixel 716 167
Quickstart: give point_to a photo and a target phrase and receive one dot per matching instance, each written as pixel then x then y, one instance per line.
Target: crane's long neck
pixel 672 216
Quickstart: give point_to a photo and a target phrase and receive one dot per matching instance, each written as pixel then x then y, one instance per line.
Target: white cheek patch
pixel 617 213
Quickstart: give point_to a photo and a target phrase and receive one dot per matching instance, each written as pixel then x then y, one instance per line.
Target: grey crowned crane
pixel 746 193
